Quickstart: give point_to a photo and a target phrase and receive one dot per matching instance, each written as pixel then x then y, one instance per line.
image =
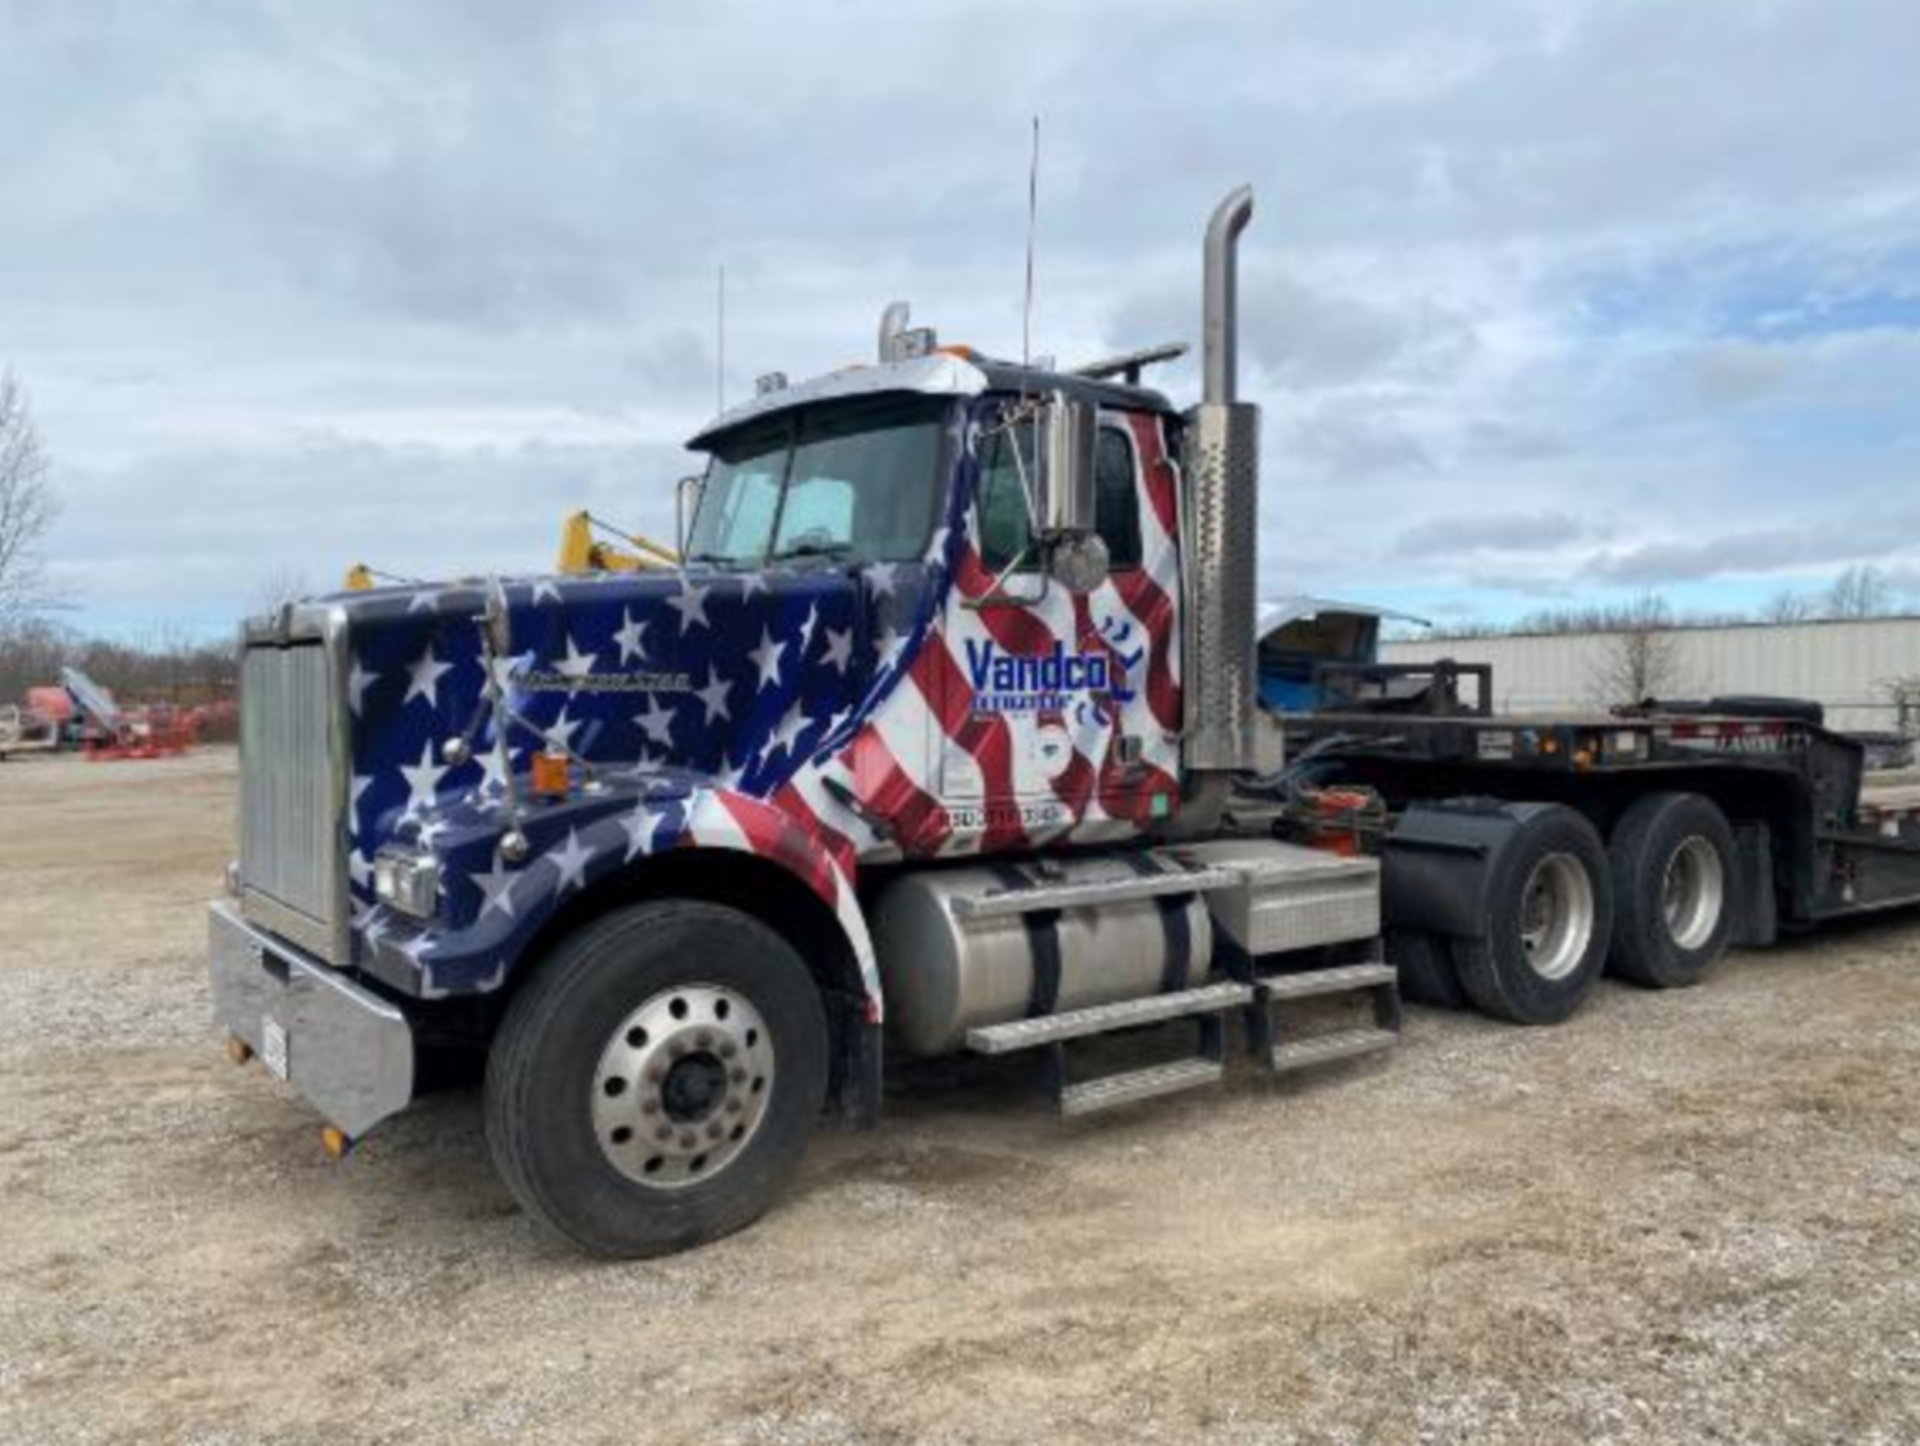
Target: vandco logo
pixel 1006 682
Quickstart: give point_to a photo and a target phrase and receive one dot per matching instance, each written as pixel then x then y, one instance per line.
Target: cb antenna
pixel 720 345
pixel 1033 210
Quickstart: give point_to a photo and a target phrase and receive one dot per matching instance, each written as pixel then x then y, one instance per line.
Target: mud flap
pixel 1756 922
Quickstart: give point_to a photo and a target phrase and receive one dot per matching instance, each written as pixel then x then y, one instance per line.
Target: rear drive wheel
pixel 653 1086
pixel 1673 889
pixel 1427 975
pixel 1550 916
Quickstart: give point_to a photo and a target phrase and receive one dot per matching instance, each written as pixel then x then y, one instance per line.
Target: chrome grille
pixel 290 835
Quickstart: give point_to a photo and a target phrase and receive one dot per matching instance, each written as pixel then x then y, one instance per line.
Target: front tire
pixel 653 1086
pixel 1550 918
pixel 1674 873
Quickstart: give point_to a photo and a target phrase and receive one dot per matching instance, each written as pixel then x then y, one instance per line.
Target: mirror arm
pixel 496 625
pixel 996 594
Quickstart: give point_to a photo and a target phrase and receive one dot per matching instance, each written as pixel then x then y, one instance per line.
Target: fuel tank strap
pixel 1043 939
pixel 1173 924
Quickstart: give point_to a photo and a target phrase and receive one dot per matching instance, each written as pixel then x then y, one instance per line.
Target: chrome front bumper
pixel 347 1050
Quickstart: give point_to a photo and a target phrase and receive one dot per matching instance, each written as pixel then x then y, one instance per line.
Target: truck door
pixel 1060 712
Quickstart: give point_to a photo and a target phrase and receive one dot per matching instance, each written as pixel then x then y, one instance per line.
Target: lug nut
pixel 729 1049
pixel 687 1140
pixel 713 1130
pixel 665 1132
pixel 737 1075
pixel 649 1106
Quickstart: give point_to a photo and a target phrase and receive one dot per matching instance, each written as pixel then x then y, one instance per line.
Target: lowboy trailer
pixel 1730 822
pixel 941 737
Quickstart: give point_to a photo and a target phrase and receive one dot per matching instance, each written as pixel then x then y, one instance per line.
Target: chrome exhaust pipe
pixel 1221 681
pixel 1221 305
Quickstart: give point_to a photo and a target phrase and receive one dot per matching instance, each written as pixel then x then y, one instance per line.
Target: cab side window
pixel 1005 532
pixel 1117 498
pixel 1001 501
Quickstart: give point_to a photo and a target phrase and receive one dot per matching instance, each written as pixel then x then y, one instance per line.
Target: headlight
pixel 407 882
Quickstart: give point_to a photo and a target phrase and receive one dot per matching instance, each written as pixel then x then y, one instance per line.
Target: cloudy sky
pixel 1546 301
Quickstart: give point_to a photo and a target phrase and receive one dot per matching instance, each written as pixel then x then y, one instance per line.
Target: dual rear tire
pixel 1549 921
pixel 1675 872
pixel 1652 905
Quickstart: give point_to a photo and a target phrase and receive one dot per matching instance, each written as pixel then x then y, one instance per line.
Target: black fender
pixel 1437 863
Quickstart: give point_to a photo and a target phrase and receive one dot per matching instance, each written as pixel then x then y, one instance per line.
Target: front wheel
pixel 653 1086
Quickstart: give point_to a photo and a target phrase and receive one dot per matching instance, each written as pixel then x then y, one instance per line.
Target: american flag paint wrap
pixel 821 716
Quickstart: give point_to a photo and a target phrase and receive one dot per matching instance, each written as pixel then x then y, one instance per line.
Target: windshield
pixel 859 481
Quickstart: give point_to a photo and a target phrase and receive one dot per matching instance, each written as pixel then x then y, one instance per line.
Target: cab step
pixel 1207 1008
pixel 1344 980
pixel 1105 1018
pixel 1114 1090
pixel 1272 1039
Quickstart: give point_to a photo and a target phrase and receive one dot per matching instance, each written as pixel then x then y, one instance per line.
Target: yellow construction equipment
pixel 581 551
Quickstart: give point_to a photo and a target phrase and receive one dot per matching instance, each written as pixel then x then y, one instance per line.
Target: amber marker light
pixel 550 774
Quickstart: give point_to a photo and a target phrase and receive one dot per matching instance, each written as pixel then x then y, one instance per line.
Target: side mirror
pixel 686 502
pixel 1078 561
pixel 1065 493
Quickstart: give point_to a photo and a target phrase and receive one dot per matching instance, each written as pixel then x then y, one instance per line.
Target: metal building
pixel 1865 673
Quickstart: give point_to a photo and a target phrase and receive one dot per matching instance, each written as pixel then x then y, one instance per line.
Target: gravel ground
pixel 1688 1217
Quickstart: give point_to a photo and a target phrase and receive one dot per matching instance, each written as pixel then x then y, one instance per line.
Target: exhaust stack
pixel 1221 303
pixel 1222 527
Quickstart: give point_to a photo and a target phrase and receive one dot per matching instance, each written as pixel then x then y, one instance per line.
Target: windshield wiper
pixel 813 549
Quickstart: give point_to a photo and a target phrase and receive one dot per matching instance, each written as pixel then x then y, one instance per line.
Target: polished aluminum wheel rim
pixel 682 1086
pixel 1556 915
pixel 1693 893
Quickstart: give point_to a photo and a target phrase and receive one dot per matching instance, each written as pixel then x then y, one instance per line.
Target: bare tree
pixel 27 507
pixel 278 588
pixel 1640 657
pixel 1860 592
pixel 1787 606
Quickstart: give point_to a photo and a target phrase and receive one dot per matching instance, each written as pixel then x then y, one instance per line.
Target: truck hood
pixel 738 676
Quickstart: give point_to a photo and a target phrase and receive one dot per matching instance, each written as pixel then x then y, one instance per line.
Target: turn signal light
pixel 238 1050
pixel 335 1142
pixel 550 774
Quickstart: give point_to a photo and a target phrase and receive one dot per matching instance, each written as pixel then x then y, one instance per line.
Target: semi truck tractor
pixel 941 737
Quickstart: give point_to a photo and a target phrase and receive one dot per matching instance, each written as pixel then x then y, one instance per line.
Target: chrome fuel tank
pixel 953 955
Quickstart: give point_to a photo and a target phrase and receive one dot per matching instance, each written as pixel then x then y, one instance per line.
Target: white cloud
pixel 294 286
